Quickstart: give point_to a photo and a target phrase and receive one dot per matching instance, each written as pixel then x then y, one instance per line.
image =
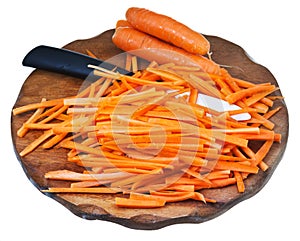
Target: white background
pixel 267 30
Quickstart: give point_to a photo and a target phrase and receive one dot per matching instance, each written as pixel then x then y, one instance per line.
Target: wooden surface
pixel 90 206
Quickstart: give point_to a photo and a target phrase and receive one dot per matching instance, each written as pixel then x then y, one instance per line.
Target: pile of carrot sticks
pixel 145 137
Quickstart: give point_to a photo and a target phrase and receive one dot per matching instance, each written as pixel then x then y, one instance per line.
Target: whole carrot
pixel 151 48
pixel 122 23
pixel 168 29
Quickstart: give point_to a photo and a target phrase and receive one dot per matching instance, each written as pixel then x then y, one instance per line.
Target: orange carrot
pixel 173 197
pixel 23 130
pixel 91 54
pixel 193 96
pixel 74 176
pixel 263 151
pixel 217 183
pixel 42 104
pixel 36 142
pixel 82 190
pixel 133 203
pixel 223 165
pixel 239 181
pixel 167 29
pixel 123 23
pixel 150 48
pixel 234 97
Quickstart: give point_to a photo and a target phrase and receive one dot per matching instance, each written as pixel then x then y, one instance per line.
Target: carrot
pixel 263 151
pixel 36 142
pixel 167 29
pixel 233 166
pixel 91 54
pixel 267 115
pixel 217 183
pixel 133 203
pixel 82 190
pixel 257 97
pixel 23 130
pixel 123 23
pixel 74 176
pixel 150 48
pixel 174 197
pixel 234 97
pixel 239 181
pixel 193 96
pixel 42 104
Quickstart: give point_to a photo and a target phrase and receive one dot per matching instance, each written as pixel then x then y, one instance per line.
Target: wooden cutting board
pixel 41 84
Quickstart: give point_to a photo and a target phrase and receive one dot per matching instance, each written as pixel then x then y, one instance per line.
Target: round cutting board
pixel 42 84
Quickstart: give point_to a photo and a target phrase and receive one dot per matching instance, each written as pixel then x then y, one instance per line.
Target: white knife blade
pixel 221 106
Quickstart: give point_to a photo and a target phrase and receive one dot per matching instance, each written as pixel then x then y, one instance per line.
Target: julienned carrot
pixel 257 97
pixel 150 48
pixel 139 136
pixel 234 97
pixel 82 190
pixel 74 176
pixel 234 166
pixel 23 130
pixel 36 143
pixel 91 54
pixel 133 203
pixel 263 151
pixel 167 29
pixel 34 106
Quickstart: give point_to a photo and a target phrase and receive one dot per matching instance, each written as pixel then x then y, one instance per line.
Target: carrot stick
pixel 200 84
pixel 175 197
pixel 263 151
pixel 261 107
pixel 239 181
pixel 267 101
pixel 44 104
pixel 223 182
pixel 82 190
pixel 265 122
pixel 267 116
pixel 193 96
pixel 197 175
pixel 74 176
pixel 234 166
pixel 86 184
pixel 36 143
pixel 23 130
pixel 257 97
pixel 181 188
pixel 132 203
pixel 134 64
pixel 263 135
pixel 218 174
pixel 91 54
pixel 234 97
pixel 54 140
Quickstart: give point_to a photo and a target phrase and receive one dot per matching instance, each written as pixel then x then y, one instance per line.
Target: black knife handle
pixel 65 62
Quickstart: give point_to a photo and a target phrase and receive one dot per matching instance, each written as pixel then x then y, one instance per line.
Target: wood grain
pixel 41 84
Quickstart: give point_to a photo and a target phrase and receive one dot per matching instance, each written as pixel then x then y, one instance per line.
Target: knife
pixel 66 62
pixel 76 64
